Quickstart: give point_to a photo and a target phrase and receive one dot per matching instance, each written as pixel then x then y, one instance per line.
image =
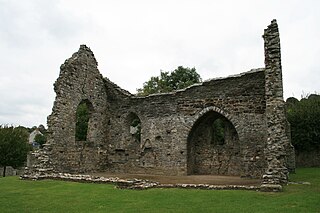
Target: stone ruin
pixel 171 133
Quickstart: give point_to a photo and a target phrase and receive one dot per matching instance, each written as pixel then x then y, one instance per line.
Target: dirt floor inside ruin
pixel 190 179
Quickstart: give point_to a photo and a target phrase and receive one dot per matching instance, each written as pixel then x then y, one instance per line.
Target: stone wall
pixel 169 120
pixel 79 81
pixel 172 133
pixel 278 142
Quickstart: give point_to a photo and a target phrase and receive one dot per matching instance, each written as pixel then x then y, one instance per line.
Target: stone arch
pixel 218 110
pixel 205 154
pixel 83 120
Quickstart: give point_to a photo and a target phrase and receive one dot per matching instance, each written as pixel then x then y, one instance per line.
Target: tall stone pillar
pixel 278 140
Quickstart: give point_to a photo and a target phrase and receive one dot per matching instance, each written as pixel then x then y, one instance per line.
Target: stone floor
pixel 190 179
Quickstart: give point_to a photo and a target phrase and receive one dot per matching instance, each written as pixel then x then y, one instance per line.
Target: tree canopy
pixel 13 147
pixel 40 139
pixel 304 119
pixel 169 81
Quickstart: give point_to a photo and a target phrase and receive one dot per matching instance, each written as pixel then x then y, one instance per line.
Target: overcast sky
pixel 134 39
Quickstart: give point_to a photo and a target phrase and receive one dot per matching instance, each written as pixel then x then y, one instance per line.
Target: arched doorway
pixel 213 146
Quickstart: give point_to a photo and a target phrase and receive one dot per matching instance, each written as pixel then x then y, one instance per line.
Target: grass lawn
pixel 58 196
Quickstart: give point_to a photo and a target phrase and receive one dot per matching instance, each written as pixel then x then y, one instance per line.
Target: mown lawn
pixel 58 196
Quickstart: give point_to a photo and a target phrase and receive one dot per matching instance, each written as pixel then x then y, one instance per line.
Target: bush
pixel 304 118
pixel 13 147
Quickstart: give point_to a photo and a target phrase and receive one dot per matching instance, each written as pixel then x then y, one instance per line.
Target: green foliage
pixel 60 196
pixel 137 124
pixel 82 116
pixel 218 132
pixel 42 129
pixel 178 79
pixel 40 139
pixel 13 146
pixel 32 129
pixel 304 119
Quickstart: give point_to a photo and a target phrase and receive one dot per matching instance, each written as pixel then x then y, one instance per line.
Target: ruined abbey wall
pixel 173 133
pixel 79 80
pixel 168 120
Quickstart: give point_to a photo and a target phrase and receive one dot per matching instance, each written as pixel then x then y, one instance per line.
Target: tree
pixel 42 129
pixel 82 115
pixel 178 79
pixel 218 132
pixel 13 147
pixel 40 139
pixel 304 119
pixel 32 129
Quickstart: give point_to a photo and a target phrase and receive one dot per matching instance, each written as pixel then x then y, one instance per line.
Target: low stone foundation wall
pixel 138 184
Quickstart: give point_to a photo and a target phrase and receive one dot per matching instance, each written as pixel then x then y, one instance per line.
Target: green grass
pixel 58 196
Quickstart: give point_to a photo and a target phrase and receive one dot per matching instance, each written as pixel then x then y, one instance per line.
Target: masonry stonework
pixel 173 133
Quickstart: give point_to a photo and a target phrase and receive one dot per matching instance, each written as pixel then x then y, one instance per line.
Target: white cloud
pixel 134 40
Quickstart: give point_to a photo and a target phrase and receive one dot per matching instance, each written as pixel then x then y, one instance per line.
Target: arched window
pixel 218 132
pixel 134 126
pixel 83 115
